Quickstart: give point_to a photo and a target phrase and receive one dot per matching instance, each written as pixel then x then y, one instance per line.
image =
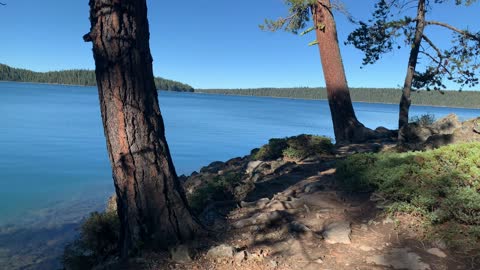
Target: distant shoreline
pixel 365 102
pixel 59 84
pixel 235 93
pixel 201 91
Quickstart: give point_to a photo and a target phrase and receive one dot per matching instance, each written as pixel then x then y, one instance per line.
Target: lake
pixel 54 167
pixel 53 147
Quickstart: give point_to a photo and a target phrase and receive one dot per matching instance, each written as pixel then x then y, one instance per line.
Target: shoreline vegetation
pixel 447 98
pixel 77 77
pixel 306 188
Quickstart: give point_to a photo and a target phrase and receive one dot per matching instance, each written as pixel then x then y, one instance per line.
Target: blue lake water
pixel 53 151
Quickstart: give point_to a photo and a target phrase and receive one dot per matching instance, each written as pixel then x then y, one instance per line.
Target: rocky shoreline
pixel 265 213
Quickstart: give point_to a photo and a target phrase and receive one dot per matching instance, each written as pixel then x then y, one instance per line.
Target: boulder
pixel 447 124
pixel 221 251
pixel 337 233
pixel 213 167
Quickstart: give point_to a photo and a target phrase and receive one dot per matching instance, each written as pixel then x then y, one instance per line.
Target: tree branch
pixel 430 42
pixel 462 32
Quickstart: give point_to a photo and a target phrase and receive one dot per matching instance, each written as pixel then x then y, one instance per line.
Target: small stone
pixel 399 258
pixel 276 206
pixel 319 261
pixel 221 251
pixel 337 233
pixel 180 254
pixel 437 252
pixel 266 218
pixel 298 227
pixel 388 220
pixel 364 227
pixel 365 248
pixel 273 263
pixel 252 165
pixel 240 256
pixel 111 204
pixel 242 223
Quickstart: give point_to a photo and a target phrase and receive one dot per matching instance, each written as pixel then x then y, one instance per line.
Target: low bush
pixel 423 120
pixel 219 188
pixel 440 185
pixel 297 147
pixel 98 240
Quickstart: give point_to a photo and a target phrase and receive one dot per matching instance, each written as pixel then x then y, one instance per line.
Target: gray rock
pixel 276 205
pixel 310 188
pixel 266 218
pixel 240 256
pixel 437 252
pixel 180 254
pixel 447 124
pixel 298 227
pixel 365 248
pixel 260 203
pixel 221 251
pixel 399 258
pixel 112 204
pixel 213 167
pixel 252 165
pixel 337 233
pixel 416 133
pixel 273 263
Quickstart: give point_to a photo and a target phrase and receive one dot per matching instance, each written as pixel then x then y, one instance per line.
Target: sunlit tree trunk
pixel 152 206
pixel 345 124
pixel 405 101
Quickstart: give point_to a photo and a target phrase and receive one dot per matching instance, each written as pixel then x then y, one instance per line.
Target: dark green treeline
pixel 464 99
pixel 75 77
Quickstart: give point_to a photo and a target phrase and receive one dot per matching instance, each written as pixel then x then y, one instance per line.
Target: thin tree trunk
pixel 345 124
pixel 405 101
pixel 152 206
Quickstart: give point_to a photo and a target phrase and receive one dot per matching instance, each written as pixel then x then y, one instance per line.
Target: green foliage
pixel 98 240
pixel 423 120
pixel 297 147
pixel 465 99
pixel 441 185
pixel 219 188
pixel 390 29
pixel 302 146
pixel 272 150
pixel 297 19
pixel 75 77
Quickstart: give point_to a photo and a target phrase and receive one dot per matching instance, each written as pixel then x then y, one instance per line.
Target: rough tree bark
pixel 152 207
pixel 405 100
pixel 345 124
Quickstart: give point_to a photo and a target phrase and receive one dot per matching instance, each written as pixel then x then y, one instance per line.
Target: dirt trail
pixel 296 218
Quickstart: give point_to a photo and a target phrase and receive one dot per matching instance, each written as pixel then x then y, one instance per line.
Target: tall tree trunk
pixel 405 101
pixel 345 124
pixel 152 206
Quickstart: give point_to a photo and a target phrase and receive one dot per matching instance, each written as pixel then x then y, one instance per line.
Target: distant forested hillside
pixel 464 99
pixel 75 77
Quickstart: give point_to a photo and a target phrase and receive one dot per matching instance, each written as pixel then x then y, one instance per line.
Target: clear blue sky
pixel 206 43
